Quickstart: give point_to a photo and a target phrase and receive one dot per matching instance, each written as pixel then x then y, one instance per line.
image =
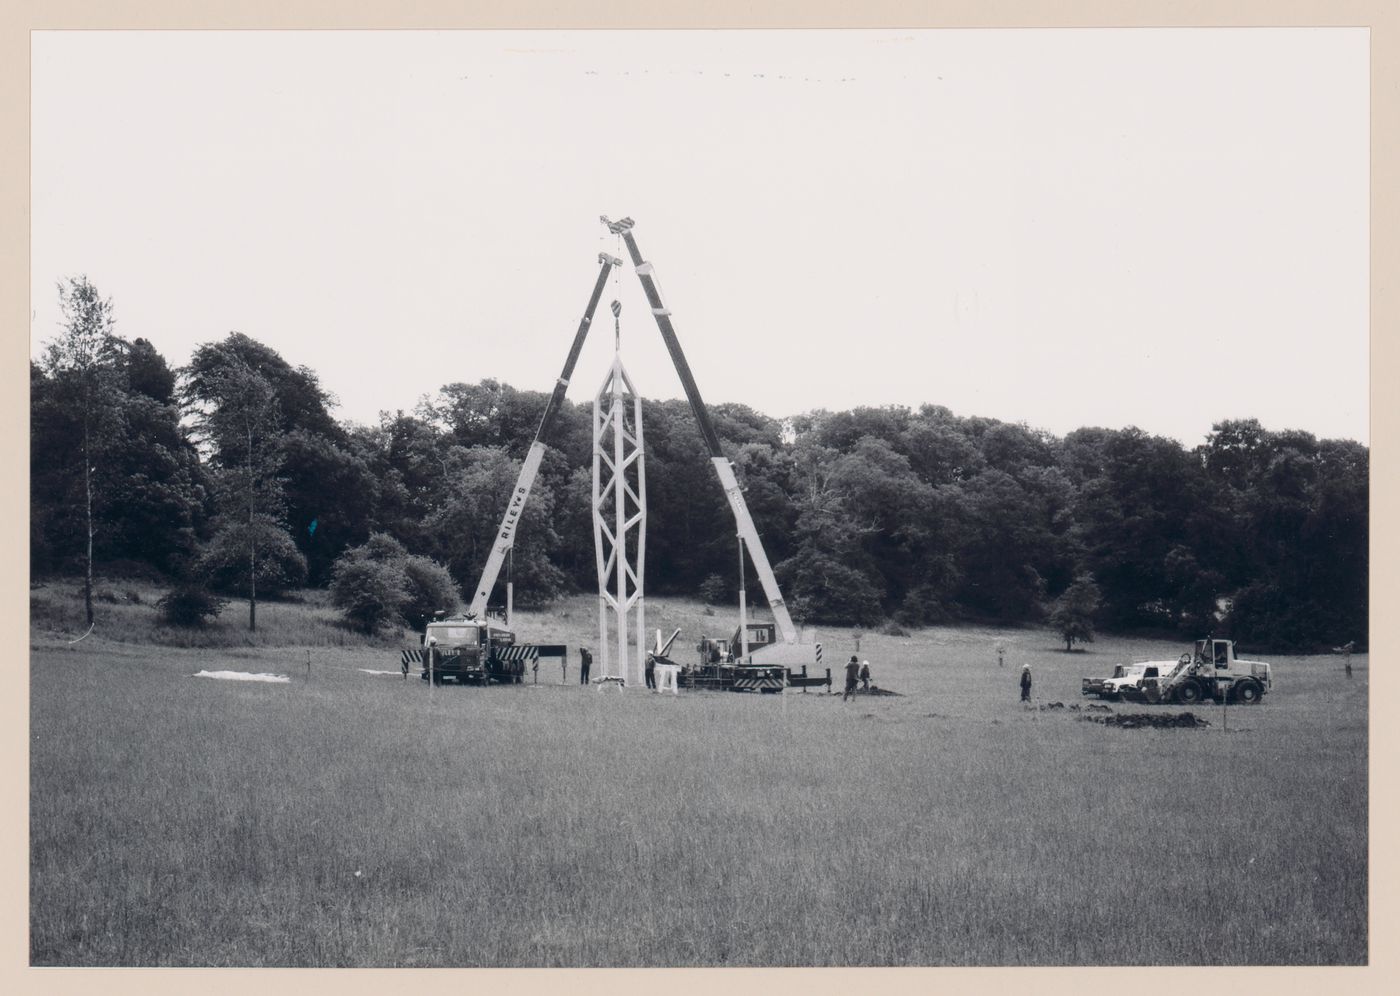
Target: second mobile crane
pixel 771 666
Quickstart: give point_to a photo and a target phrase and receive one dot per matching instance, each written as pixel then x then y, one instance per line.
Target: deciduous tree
pixel 237 416
pixel 81 361
pixel 1072 614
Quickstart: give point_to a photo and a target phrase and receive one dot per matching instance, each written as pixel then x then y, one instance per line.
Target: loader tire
pixel 1248 692
pixel 1189 693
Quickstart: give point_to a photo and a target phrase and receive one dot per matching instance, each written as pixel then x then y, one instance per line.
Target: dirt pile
pixel 1137 720
pixel 875 690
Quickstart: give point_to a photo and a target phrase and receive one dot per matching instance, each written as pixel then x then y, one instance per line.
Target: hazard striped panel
pixel 524 652
pixel 819 654
pixel 412 657
pixel 746 683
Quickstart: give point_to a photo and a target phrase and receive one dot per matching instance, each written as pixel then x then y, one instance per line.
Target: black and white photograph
pixel 859 497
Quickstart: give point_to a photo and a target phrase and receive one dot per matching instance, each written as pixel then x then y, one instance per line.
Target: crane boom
pixel 723 468
pixel 505 536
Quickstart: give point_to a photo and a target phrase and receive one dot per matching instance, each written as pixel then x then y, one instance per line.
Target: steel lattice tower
pixel 619 513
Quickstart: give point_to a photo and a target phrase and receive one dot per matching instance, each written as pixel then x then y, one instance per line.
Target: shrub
pixel 830 590
pixel 369 592
pixel 380 582
pixel 189 605
pixel 924 606
pixel 430 587
pixel 714 589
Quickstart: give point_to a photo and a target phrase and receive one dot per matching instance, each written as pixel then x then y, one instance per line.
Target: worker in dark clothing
pixel 852 677
pixel 651 672
pixel 1026 683
pixel 865 676
pixel 585 660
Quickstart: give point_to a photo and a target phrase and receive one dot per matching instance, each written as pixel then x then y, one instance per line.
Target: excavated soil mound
pixel 873 690
pixel 1137 720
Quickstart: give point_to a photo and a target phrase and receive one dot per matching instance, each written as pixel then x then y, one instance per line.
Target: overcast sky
pixel 1161 228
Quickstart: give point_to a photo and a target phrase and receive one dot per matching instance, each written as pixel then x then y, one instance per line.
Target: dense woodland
pixel 232 473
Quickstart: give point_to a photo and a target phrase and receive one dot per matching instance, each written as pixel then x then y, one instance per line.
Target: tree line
pixel 232 474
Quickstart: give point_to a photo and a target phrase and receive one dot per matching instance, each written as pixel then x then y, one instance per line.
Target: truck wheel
pixel 1248 692
pixel 1189 693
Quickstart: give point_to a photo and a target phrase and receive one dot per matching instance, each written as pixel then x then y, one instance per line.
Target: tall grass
pixel 127 612
pixel 356 819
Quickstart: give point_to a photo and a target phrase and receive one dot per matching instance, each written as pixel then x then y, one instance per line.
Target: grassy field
pixel 349 818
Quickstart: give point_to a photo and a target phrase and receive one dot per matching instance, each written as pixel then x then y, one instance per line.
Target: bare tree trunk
pixel 252 580
pixel 252 545
pixel 87 483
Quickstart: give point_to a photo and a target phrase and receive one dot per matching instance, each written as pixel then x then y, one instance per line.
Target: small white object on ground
pixel 242 676
pixel 368 670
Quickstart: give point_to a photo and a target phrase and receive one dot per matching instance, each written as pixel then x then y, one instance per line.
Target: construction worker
pixel 585 660
pixel 651 672
pixel 1025 683
pixel 852 677
pixel 865 676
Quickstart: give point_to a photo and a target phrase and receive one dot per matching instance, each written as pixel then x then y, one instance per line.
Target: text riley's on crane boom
pixel 505 536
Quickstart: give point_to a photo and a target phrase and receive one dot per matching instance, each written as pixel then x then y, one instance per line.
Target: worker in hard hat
pixel 1025 683
pixel 865 676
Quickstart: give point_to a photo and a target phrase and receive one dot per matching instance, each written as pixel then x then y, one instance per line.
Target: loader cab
pixel 1217 652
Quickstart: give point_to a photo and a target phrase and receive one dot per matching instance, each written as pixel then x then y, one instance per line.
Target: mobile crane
pixel 474 646
pixel 765 668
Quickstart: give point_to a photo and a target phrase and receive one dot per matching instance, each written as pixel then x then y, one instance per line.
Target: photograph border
pixel 1382 18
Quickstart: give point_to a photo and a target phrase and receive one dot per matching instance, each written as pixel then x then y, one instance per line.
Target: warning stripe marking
pixel 746 683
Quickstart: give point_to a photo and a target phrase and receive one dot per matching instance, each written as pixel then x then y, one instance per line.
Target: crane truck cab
pixel 468 649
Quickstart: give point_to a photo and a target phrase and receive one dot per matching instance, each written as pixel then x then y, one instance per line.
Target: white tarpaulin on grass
pixel 368 670
pixel 242 676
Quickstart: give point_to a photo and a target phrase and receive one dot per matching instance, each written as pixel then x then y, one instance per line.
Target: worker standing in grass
pixel 852 676
pixel 1025 683
pixel 865 676
pixel 585 661
pixel 651 672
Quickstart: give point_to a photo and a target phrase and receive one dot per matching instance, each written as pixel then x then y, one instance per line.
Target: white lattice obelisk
pixel 619 518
